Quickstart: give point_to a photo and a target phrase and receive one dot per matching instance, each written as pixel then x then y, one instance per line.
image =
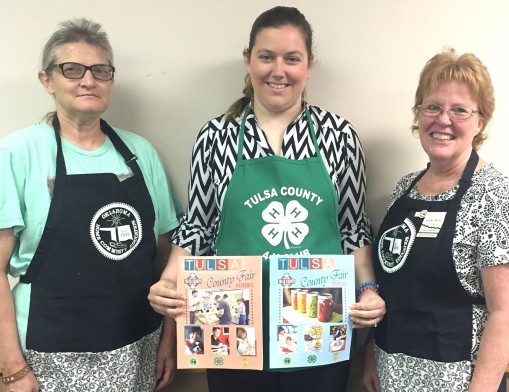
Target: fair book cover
pixel 222 326
pixel 309 301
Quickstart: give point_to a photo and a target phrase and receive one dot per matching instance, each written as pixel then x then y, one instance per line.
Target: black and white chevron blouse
pixel 214 158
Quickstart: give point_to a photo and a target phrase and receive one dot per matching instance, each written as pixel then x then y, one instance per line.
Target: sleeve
pixel 165 205
pixel 10 200
pixel 354 224
pixel 401 187
pixel 197 228
pixel 160 191
pixel 493 228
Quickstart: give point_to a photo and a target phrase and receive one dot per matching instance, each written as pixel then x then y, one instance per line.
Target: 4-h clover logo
pixel 287 361
pixel 285 224
pixel 218 361
pixel 312 359
pixel 193 362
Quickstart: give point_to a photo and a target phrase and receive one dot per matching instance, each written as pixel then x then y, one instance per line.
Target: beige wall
pixel 179 64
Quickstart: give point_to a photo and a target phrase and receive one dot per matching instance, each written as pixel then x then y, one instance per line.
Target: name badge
pixel 431 224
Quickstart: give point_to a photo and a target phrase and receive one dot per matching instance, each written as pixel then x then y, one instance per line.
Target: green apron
pixel 275 205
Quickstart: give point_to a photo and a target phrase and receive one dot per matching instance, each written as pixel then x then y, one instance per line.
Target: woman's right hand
pixel 166 300
pixel 163 296
pixel 25 384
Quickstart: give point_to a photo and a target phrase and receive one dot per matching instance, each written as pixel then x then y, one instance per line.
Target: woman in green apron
pixel 271 139
pixel 84 210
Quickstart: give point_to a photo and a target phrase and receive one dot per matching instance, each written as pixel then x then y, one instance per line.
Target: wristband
pixel 15 376
pixel 367 286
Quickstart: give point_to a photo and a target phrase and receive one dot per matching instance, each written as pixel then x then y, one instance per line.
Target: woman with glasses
pixel 271 138
pixel 442 250
pixel 85 217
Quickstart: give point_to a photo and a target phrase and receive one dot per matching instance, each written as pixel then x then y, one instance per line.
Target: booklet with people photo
pixel 222 327
pixel 309 301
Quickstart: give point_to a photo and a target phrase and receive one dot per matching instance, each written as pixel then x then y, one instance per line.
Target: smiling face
pixel 279 68
pixel 444 139
pixel 78 98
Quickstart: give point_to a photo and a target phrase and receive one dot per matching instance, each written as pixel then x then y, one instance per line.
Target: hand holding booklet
pixel 223 313
pixel 309 299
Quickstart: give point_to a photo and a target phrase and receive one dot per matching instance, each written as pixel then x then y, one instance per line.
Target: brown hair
pixel 275 17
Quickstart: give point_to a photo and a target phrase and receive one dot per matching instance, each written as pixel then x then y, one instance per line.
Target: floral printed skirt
pixel 127 369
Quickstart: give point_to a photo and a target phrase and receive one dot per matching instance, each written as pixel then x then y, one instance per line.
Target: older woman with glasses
pixel 442 250
pixel 85 217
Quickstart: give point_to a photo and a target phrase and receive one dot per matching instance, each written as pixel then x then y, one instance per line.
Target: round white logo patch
pixel 116 230
pixel 395 245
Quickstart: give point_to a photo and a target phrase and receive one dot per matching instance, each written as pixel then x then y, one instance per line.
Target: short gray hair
pixel 76 30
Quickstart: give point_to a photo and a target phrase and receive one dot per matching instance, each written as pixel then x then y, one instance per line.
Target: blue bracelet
pixel 367 286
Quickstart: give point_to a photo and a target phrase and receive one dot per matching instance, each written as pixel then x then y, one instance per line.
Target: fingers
pixel 165 300
pixel 368 312
pixel 369 300
pixel 371 385
pixel 165 379
pixel 364 323
pixel 366 318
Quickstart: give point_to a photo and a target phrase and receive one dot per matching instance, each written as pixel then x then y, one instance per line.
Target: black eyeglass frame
pixel 85 67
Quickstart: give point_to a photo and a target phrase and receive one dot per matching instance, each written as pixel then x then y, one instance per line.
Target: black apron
pixel 94 265
pixel 429 313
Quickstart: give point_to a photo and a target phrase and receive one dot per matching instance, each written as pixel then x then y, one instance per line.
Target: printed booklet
pixel 222 327
pixel 310 297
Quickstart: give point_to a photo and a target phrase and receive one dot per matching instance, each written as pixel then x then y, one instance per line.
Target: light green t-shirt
pixel 27 172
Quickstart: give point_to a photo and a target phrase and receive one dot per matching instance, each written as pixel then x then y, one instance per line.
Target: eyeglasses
pixel 454 112
pixel 101 72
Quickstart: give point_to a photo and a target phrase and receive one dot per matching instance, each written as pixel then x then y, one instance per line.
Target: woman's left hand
pixel 166 363
pixel 368 311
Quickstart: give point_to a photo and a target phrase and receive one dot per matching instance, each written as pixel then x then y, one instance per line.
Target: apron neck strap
pixel 240 146
pixel 312 130
pixel 60 170
pixel 464 182
pixel 129 158
pixel 466 177
pixel 118 143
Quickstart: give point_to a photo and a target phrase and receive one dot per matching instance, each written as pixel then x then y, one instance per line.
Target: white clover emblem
pixel 285 224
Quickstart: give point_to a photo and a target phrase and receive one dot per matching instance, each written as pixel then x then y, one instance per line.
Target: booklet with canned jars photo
pixel 309 301
pixel 222 325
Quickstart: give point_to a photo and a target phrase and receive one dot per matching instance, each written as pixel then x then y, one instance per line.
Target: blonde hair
pixel 466 68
